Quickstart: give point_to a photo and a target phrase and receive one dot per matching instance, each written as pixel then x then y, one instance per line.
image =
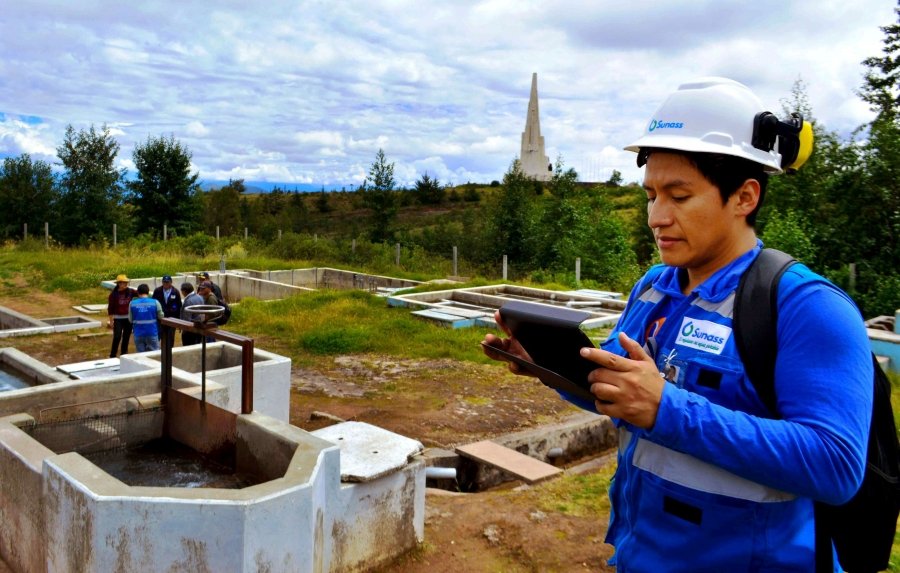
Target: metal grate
pixel 97 434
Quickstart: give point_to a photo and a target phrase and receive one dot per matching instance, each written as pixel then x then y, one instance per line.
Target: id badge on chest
pixel 670 367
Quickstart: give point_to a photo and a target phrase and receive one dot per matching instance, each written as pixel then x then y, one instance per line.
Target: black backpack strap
pixel 755 321
pixel 755 327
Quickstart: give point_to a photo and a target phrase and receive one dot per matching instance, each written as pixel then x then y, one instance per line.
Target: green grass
pixel 328 323
pixel 895 403
pixel 577 495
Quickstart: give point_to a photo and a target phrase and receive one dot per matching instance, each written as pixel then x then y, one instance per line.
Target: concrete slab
pixel 462 312
pixel 444 318
pixel 69 323
pixel 526 468
pixel 596 293
pixel 80 368
pixel 90 308
pixel 368 452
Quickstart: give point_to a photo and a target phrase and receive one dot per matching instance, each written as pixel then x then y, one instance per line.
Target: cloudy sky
pixel 306 92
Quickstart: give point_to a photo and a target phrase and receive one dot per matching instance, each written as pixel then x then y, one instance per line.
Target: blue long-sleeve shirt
pixel 717 482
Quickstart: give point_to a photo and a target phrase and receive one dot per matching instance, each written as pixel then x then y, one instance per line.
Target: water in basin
pixel 11 379
pixel 166 463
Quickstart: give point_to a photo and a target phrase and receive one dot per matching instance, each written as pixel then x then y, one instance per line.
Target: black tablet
pixel 553 338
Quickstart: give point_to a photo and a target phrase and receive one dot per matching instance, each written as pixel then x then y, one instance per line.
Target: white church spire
pixel 533 160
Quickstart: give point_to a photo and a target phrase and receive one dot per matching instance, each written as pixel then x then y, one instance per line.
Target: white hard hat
pixel 709 115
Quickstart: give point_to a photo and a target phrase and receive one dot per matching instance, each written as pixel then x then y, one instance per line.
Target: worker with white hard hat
pixel 709 479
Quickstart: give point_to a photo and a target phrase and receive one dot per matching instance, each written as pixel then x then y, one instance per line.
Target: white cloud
pixel 196 129
pixel 17 137
pixel 310 91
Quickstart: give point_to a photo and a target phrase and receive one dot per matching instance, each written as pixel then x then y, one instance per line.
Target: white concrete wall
pixel 95 523
pixel 271 377
pixel 379 520
pixel 75 517
pixel 22 536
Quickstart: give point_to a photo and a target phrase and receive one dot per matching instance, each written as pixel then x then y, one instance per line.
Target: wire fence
pixel 101 433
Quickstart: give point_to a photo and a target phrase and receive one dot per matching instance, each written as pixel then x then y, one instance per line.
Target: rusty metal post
pixel 247 349
pixel 203 369
pixel 247 377
pixel 168 334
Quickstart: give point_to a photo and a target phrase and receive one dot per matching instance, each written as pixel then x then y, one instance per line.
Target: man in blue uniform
pixel 707 479
pixel 144 313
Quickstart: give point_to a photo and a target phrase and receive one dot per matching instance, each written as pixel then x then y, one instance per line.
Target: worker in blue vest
pixel 708 479
pixel 145 313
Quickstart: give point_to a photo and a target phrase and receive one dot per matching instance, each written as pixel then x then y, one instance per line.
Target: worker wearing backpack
pixel 708 479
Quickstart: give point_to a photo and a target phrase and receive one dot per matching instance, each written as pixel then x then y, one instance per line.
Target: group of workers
pixel 138 312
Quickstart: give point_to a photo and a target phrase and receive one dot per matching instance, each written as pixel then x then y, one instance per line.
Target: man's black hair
pixel 187 287
pixel 726 172
pixel 143 289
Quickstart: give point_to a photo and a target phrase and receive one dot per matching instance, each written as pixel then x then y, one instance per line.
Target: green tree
pixel 511 220
pixel 223 209
pixel 164 191
pixel 28 195
pixel 91 199
pixel 576 224
pixel 429 191
pixel 605 250
pixel 378 195
pixel 615 179
pixel 880 206
pixel 323 203
pixel 789 233
pixel 298 213
pixel 881 86
pixel 563 221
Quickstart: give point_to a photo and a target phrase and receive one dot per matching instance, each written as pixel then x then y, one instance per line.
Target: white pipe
pixel 553 453
pixel 435 472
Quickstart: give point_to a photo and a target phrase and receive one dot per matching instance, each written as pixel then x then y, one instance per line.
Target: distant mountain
pixel 253 187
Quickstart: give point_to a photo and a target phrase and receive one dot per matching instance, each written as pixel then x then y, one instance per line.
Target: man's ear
pixel 746 198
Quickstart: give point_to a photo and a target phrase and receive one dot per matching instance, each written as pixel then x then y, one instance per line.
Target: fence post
pixel 279 234
pixel 115 228
pixel 504 267
pixel 852 284
pixel 353 246
pixel 46 234
pixel 397 256
pixel 217 232
pixel 165 232
pixel 577 271
pixel 455 269
pixel 25 232
pixel 245 233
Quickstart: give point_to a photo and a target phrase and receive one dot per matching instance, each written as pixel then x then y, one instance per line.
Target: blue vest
pixel 144 318
pixel 716 485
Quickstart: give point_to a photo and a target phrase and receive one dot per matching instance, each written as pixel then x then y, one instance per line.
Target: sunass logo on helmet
pixel 657 124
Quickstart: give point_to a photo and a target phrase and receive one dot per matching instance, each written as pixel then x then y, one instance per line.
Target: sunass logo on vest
pixel 703 335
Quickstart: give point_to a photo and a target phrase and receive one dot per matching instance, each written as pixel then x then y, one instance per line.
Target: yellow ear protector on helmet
pixel 794 138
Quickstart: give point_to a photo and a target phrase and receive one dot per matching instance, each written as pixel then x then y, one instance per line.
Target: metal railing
pixel 207 329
